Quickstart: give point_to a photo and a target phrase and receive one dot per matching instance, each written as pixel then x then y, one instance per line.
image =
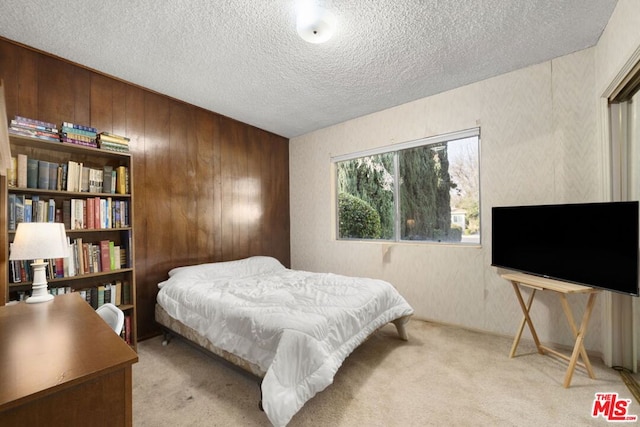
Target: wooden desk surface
pixel 51 346
pixel 548 284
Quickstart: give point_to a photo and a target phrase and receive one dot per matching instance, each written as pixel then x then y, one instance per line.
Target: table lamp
pixel 38 241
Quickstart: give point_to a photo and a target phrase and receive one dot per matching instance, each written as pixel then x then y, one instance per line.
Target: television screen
pixel 593 244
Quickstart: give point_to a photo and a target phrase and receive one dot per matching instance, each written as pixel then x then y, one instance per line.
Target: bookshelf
pixel 98 222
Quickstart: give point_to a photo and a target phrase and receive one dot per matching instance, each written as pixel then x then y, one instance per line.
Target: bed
pixel 293 329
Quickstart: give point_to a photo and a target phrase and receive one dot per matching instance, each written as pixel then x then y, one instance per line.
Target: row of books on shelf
pixel 117 292
pixel 84 258
pixel 70 133
pixel 27 172
pixel 93 213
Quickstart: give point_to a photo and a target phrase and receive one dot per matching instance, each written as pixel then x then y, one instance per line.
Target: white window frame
pixel 395 148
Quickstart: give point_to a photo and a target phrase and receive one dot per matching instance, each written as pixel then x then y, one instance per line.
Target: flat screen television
pixel 592 244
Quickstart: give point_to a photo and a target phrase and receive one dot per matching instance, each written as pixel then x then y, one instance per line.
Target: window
pixel 426 190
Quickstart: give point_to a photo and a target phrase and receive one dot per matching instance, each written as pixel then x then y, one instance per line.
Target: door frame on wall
pixel 619 141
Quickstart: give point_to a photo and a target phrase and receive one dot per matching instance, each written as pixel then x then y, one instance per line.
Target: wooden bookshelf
pixel 120 233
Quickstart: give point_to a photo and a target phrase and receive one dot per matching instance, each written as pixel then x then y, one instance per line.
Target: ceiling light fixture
pixel 314 24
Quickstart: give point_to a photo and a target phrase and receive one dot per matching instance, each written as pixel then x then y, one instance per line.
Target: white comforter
pixel 297 326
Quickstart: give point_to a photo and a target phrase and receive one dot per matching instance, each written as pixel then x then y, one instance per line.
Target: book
pixel 100 295
pixel 11 220
pixel 59 267
pixel 118 292
pixel 76 131
pixel 93 295
pixel 112 137
pixel 84 180
pixel 105 255
pixel 53 176
pixel 59 186
pixel 69 262
pixel 35 205
pixel 66 213
pixel 43 175
pixel 107 293
pixel 33 133
pixel 32 173
pixel 22 171
pixel 80 127
pixel 112 256
pixel 34 124
pixel 67 139
pixel 127 329
pixel 121 180
pixel 86 260
pixel 40 124
pixel 106 179
pixel 12 173
pixel 117 217
pixel 42 211
pixel 72 176
pixel 28 210
pixel 51 210
pixel 96 211
pixel 90 215
pixel 126 292
pixel 19 209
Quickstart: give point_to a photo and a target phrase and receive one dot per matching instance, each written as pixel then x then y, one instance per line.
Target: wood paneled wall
pixel 206 187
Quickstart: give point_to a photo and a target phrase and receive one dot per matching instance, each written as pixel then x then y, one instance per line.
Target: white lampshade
pixel 39 240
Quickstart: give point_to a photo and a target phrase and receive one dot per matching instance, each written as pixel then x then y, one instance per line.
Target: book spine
pixel 27 120
pixel 12 173
pixel 105 255
pixel 11 222
pixel 43 175
pixel 53 176
pixel 32 173
pixel 22 170
pixel 126 292
pixel 28 210
pixel 108 136
pixel 121 180
pixel 21 122
pixel 76 131
pixel 59 264
pixel 112 256
pixel 51 211
pixel 19 209
pixel 127 329
pixel 80 127
pixel 114 147
pixel 75 141
pixel 90 215
pixel 33 133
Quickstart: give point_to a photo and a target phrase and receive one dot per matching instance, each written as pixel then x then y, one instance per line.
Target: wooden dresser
pixel 62 365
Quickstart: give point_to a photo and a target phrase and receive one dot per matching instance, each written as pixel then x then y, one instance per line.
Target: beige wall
pixel 539 144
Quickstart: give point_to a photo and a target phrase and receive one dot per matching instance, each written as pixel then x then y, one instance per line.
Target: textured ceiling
pixel 244 59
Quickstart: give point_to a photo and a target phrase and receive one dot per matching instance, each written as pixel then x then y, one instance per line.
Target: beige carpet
pixel 443 376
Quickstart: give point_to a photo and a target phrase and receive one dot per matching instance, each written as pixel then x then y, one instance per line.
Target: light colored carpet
pixel 443 376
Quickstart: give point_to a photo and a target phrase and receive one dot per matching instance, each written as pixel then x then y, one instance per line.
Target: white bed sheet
pixel 297 326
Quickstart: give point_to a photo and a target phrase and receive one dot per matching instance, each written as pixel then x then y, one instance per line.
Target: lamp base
pixel 39 288
pixel 39 298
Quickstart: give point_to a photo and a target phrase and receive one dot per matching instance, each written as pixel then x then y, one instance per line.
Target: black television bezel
pixel 633 204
